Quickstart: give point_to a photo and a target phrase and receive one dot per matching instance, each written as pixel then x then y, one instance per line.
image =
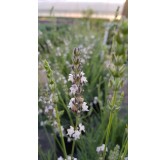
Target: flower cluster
pixel 75 104
pixel 75 134
pixel 68 158
pixel 100 149
pixel 78 79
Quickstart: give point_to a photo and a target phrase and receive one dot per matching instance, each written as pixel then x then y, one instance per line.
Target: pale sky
pixel 108 1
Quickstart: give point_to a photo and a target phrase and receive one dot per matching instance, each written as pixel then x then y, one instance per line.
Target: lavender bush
pixel 81 92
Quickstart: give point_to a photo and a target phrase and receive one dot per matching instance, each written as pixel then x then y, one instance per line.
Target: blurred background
pixel 103 9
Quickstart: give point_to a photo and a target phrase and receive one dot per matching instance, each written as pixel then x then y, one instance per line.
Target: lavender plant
pixel 118 59
pixel 90 129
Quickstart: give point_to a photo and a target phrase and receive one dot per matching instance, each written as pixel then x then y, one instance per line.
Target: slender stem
pixel 58 142
pixel 109 124
pixel 108 133
pixel 123 148
pixel 60 132
pixel 73 145
pixel 71 121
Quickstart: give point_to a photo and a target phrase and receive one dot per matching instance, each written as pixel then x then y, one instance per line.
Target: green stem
pixel 73 145
pixel 109 124
pixel 123 148
pixel 67 110
pixel 108 133
pixel 60 132
pixel 58 143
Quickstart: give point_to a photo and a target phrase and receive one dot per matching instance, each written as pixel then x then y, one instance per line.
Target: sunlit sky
pixel 108 1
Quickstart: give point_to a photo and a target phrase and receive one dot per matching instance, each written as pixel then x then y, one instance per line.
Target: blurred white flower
pixel 82 73
pixel 50 107
pixel 73 89
pixel 82 127
pixel 71 78
pixel 70 131
pixel 69 139
pixel 83 79
pixel 46 110
pixel 58 52
pixel 71 103
pixel 101 148
pixel 95 100
pixel 49 43
pixel 76 134
pixel 60 158
pixel 84 107
pixel 69 158
pixel 54 123
pixel 54 113
pixel 126 158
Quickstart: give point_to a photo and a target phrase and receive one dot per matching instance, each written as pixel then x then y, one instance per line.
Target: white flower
pixel 69 158
pixel 54 113
pixel 54 124
pixel 46 110
pixel 69 139
pixel 70 131
pixel 76 134
pixel 71 102
pixel 101 148
pixel 73 89
pixel 82 127
pixel 95 100
pixel 84 107
pixel 50 107
pixel 83 79
pixel 60 158
pixel 82 73
pixel 98 149
pixel 49 43
pixel 71 78
pixel 126 158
